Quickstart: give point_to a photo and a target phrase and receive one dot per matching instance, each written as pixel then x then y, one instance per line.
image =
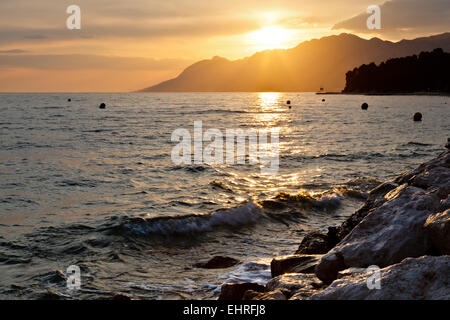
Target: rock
pixel 374 200
pixel 218 262
pixel 316 242
pixel 121 297
pixel 272 295
pixel 445 204
pixel 235 291
pixel 299 263
pixel 437 227
pixel 433 175
pixel 364 106
pixel 424 278
pixel 417 116
pixel 351 272
pixel 295 283
pixel 387 235
pixel 102 106
pixel 447 145
pixel 57 276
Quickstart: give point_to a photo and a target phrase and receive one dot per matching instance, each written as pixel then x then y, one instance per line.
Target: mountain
pixel 306 67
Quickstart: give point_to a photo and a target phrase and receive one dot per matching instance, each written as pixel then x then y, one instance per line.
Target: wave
pixel 245 215
pixel 329 199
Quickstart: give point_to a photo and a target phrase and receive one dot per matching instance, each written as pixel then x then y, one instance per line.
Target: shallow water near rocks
pixel 97 188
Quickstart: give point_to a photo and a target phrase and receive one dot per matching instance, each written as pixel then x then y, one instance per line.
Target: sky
pixel 129 45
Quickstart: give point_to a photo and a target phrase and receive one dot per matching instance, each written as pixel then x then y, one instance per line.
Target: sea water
pixel 97 188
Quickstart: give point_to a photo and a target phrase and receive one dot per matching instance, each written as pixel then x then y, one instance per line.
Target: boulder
pixel 298 263
pixel 374 200
pixel 350 272
pixel 387 235
pixel 121 297
pixel 424 278
pixel 433 175
pixel 218 262
pixel 316 242
pixel 437 227
pixel 272 295
pixel 295 283
pixel 236 290
pixel 445 204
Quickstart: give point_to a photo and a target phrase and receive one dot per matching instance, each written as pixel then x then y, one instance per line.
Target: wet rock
pixel 417 116
pixel 235 291
pixel 437 227
pixel 299 263
pixel 272 295
pixel 364 106
pixel 413 279
pixel 58 276
pixel 316 242
pixel 218 262
pixel 121 297
pixel 295 283
pixel 387 235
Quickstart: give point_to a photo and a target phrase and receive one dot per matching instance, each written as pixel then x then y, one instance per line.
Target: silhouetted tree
pixel 428 72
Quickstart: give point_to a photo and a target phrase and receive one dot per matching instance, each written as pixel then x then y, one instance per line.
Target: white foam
pixel 244 215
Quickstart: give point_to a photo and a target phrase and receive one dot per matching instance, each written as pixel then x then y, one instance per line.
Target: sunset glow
pixel 272 37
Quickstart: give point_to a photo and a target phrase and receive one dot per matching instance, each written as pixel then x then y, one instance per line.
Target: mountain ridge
pixel 310 65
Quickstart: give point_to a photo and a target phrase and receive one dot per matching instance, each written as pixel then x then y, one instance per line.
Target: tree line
pixel 426 72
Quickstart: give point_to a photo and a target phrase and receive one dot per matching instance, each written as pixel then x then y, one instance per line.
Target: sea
pixel 97 188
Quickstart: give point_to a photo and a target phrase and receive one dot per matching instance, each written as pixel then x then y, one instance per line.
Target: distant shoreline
pixel 439 94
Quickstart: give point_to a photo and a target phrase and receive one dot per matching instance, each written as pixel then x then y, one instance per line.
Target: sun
pixel 271 37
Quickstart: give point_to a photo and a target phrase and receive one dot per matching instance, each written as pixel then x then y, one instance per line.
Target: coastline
pixel 395 246
pixel 431 94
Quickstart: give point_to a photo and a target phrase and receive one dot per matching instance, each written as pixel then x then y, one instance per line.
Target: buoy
pixel 288 102
pixel 69 100
pixel 290 107
pixel 323 100
pixel 102 106
pixel 417 116
pixel 364 106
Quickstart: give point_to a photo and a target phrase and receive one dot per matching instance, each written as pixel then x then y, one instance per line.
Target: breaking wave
pixel 240 216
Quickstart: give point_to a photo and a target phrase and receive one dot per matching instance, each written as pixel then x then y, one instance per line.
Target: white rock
pixel 412 279
pixel 387 235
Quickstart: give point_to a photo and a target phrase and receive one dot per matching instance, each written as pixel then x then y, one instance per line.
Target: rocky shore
pixel 396 246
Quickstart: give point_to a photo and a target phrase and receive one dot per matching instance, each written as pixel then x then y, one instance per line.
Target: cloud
pixel 83 62
pixel 404 17
pixel 13 51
